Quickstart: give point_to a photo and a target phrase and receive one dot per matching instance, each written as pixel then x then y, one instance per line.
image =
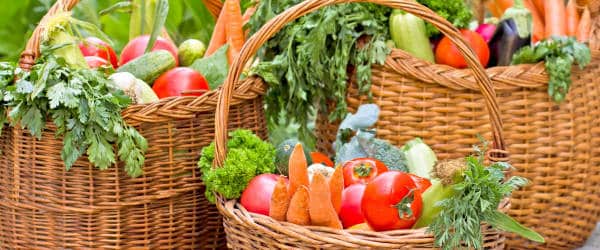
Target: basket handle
pixel 32 51
pixel 305 7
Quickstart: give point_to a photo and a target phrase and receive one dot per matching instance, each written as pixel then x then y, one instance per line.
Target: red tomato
pixel 321 158
pixel 447 53
pixel 93 46
pixel 256 198
pixel 96 62
pixel 351 212
pixel 178 80
pixel 362 170
pixel 391 201
pixel 137 47
pixel 421 183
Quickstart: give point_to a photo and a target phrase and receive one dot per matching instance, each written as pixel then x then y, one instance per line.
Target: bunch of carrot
pixel 300 202
pixel 229 29
pixel 551 18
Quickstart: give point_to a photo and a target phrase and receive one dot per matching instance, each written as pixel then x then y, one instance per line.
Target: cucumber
pixel 150 66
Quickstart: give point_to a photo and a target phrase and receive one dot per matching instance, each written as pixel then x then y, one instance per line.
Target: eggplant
pixel 505 42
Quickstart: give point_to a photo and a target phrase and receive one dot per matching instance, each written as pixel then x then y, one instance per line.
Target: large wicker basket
pixel 252 231
pixel 555 146
pixel 43 206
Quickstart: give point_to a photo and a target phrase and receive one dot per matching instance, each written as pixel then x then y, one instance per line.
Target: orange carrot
pixel 555 14
pixel 248 14
pixel 585 25
pixel 234 29
pixel 298 169
pixel 336 186
pixel 503 5
pixel 280 201
pixel 539 5
pixel 493 8
pixel 320 208
pixel 572 18
pixel 539 31
pixel 218 38
pixel 298 213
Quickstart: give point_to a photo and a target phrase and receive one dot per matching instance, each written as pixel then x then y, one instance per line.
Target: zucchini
pixel 150 66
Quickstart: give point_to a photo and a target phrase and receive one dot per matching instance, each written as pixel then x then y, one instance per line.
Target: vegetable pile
pixel 452 198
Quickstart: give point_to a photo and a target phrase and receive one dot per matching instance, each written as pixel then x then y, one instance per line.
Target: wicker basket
pixel 43 206
pixel 555 146
pixel 253 231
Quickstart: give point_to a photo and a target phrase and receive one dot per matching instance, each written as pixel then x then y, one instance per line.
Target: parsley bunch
pixel 559 55
pixel 85 110
pixel 306 63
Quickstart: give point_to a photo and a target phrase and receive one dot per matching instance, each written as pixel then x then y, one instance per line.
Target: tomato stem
pixel 363 170
pixel 405 211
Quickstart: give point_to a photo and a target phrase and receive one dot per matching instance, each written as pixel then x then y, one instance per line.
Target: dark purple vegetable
pixel 486 30
pixel 505 43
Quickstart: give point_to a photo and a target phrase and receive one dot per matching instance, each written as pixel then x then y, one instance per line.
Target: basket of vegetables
pixel 100 151
pixel 548 99
pixel 377 195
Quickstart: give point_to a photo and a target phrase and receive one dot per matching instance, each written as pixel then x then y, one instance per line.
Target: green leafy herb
pixel 160 17
pixel 477 191
pixel 306 64
pixel 214 68
pixel 7 76
pixel 247 157
pixel 559 54
pixel 456 12
pixel 85 110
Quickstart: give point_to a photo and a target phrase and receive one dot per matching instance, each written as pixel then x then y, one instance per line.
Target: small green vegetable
pixel 408 33
pixel 420 159
pixel 190 50
pixel 214 68
pixel 559 54
pixel 247 157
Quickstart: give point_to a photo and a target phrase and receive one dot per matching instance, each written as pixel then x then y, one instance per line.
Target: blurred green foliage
pixel 187 19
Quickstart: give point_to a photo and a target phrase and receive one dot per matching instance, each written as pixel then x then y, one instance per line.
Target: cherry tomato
pixel 318 157
pixel 96 62
pixel 351 212
pixel 177 81
pixel 421 183
pixel 256 198
pixel 447 53
pixel 93 46
pixel 136 47
pixel 391 201
pixel 362 170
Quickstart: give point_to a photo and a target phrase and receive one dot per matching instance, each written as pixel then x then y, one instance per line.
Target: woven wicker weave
pixel 43 206
pixel 557 147
pixel 252 231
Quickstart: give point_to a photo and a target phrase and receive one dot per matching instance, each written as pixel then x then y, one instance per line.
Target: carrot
pixel 298 169
pixel 493 8
pixel 572 18
pixel 585 25
pixel 298 213
pixel 280 201
pixel 336 186
pixel 539 5
pixel 234 29
pixel 539 31
pixel 320 208
pixel 503 5
pixel 218 38
pixel 248 14
pixel 555 14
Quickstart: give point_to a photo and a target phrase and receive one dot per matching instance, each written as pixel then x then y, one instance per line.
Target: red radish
pixel 96 62
pixel 180 81
pixel 93 46
pixel 486 30
pixel 137 47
